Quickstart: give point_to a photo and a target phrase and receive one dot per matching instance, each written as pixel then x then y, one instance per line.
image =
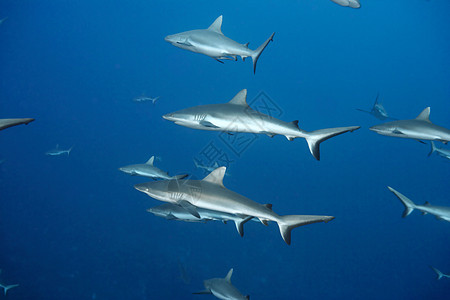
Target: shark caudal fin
pixel 256 53
pixel 68 151
pixel 8 287
pixel 314 138
pixel 439 273
pixel 409 205
pixel 289 222
pixel 433 148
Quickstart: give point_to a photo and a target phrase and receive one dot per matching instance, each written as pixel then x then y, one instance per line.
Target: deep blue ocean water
pixel 75 228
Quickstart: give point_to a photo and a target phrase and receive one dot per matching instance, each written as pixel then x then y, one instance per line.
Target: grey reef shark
pixel 238 116
pixel 213 43
pixel 439 273
pixel 378 111
pixel 222 288
pixel 348 3
pixel 149 170
pixel 418 129
pixel 445 153
pixel 210 193
pixel 58 151
pixel 441 212
pixel 6 123
pixel 171 211
pixel 146 99
pixel 208 168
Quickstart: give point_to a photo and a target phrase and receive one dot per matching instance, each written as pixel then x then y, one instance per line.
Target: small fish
pixel 57 151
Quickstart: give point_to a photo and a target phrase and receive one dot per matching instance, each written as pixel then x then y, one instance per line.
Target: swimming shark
pixel 210 193
pixel 173 211
pixel 208 168
pixel 6 123
pixel 419 129
pixel 222 288
pixel 441 212
pixel 58 151
pixel 378 111
pixel 8 287
pixel 439 273
pixel 213 43
pixel 348 3
pixel 237 116
pixel 149 170
pixel 146 99
pixel 440 151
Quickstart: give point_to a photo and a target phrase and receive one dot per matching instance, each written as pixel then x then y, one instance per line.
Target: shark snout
pixel 141 187
pixel 170 39
pixel 376 128
pixel 169 117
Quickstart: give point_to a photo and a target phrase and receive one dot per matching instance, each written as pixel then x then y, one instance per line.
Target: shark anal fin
pixel 190 208
pixel 269 134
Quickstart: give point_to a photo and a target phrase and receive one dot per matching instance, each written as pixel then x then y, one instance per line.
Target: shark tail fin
pixel 178 177
pixel 438 273
pixel 256 53
pixel 68 151
pixel 314 138
pixel 433 148
pixel 409 205
pixel 289 222
pixel 8 287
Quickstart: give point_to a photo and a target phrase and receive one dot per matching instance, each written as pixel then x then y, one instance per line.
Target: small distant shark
pixel 210 193
pixel 419 129
pixel 349 3
pixel 441 212
pixel 213 43
pixel 378 111
pixel 439 273
pixel 57 151
pixel 8 287
pixel 172 211
pixel 208 168
pixel 440 151
pixel 237 116
pixel 149 170
pixel 146 99
pixel 6 123
pixel 222 288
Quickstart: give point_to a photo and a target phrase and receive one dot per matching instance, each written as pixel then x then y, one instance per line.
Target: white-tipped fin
pixel 240 98
pixel 216 176
pixel 228 277
pixel 150 161
pixel 424 115
pixel 217 25
pixel 409 205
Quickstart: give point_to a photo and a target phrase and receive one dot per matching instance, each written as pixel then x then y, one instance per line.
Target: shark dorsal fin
pixel 240 98
pixel 150 161
pixel 228 277
pixel 217 25
pixel 424 115
pixel 268 205
pixel 216 176
pixel 246 45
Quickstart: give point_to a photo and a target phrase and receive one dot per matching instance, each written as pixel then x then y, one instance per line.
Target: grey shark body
pixel 6 123
pixel 172 211
pixel 149 170
pixel 237 116
pixel 419 128
pixel 58 151
pixel 348 3
pixel 441 212
pixel 445 153
pixel 213 43
pixel 378 111
pixel 208 168
pixel 439 273
pixel 210 193
pixel 222 288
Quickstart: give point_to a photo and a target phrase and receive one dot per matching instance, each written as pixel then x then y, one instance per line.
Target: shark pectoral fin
pixel 171 217
pixel 208 124
pixel 219 60
pixel 240 224
pixel 189 207
pixel 202 292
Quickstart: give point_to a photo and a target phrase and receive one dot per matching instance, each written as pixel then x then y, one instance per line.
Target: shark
pixel 440 151
pixel 213 43
pixel 57 151
pixel 8 287
pixel 378 111
pixel 348 3
pixel 210 193
pixel 238 116
pixel 419 129
pixel 222 288
pixel 441 212
pixel 6 123
pixel 208 168
pixel 172 211
pixel 146 99
pixel 439 273
pixel 149 170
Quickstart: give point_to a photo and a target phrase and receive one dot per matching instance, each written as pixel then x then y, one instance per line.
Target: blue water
pixel 75 228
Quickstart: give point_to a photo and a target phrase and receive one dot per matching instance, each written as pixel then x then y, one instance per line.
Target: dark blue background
pixel 75 228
